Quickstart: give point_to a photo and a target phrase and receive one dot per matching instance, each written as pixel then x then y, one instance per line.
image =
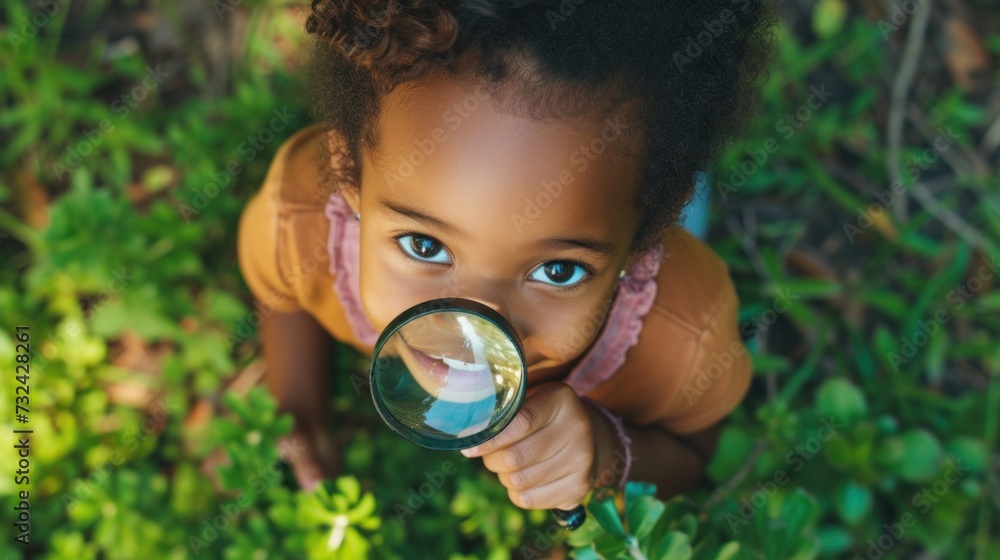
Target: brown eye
pixel 423 248
pixel 559 273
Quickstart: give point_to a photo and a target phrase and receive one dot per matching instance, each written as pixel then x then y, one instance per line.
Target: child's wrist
pixel 612 446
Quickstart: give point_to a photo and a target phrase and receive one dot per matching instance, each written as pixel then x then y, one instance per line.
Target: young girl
pixel 533 156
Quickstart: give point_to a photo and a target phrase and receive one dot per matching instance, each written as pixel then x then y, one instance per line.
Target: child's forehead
pixel 446 109
pixel 503 179
pixel 448 131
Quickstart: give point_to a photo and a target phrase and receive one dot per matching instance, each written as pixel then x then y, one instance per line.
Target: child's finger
pixel 552 469
pixel 565 493
pixel 532 450
pixel 523 454
pixel 528 421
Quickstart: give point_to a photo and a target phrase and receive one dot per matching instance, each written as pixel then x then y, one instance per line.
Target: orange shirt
pixel 688 369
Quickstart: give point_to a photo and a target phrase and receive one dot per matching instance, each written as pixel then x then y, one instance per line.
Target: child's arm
pixel 673 462
pixel 296 352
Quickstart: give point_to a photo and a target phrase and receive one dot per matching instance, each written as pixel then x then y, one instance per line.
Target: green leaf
pixel 833 540
pixel 604 511
pixel 841 399
pixel 635 489
pixel 113 317
pixel 673 546
pixel 224 308
pixel 350 488
pixel 889 302
pixel 734 448
pixel 920 244
pixel 587 553
pixel 609 546
pixel 919 456
pixel 728 551
pixel 862 355
pixel 643 515
pixel 764 364
pixel 808 288
pixel 937 354
pixel 971 452
pixel 853 502
pixel 283 515
pixel 798 511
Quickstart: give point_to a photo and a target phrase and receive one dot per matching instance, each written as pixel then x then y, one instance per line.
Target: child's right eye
pixel 423 248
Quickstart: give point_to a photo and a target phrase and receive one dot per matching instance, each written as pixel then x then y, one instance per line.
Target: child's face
pixel 468 215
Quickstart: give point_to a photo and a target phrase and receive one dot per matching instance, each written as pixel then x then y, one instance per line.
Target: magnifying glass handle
pixel 571 519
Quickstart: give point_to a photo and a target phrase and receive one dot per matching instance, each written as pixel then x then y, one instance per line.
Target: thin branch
pixel 952 221
pixel 900 89
pixel 737 479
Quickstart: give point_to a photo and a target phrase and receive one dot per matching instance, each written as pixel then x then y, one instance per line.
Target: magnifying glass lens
pixel 447 378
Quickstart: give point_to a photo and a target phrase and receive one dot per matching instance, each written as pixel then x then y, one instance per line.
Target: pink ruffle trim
pixel 636 293
pixel 344 246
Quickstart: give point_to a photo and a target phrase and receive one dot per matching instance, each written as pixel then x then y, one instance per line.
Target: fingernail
pixel 470 451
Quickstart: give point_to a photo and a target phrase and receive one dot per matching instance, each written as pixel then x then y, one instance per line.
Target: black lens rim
pixel 439 306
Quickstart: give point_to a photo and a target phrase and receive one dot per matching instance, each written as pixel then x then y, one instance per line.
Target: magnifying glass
pixel 449 374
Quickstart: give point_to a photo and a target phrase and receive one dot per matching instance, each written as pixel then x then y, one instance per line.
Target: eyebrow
pixel 600 248
pixel 589 244
pixel 414 214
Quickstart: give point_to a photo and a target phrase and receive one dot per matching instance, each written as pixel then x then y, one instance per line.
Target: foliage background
pixel 153 437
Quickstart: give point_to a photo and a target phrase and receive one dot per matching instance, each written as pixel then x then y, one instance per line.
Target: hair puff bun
pixel 385 35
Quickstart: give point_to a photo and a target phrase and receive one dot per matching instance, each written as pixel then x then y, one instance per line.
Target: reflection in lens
pixel 448 375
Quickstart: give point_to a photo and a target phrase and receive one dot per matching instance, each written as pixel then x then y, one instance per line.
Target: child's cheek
pixel 387 289
pixel 565 329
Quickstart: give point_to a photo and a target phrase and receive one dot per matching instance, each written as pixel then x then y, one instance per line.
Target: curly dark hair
pixel 688 71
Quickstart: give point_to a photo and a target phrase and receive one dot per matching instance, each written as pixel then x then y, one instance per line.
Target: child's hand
pixel 545 456
pixel 313 456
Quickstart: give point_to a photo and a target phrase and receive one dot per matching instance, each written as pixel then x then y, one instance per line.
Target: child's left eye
pixel 423 248
pixel 559 273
